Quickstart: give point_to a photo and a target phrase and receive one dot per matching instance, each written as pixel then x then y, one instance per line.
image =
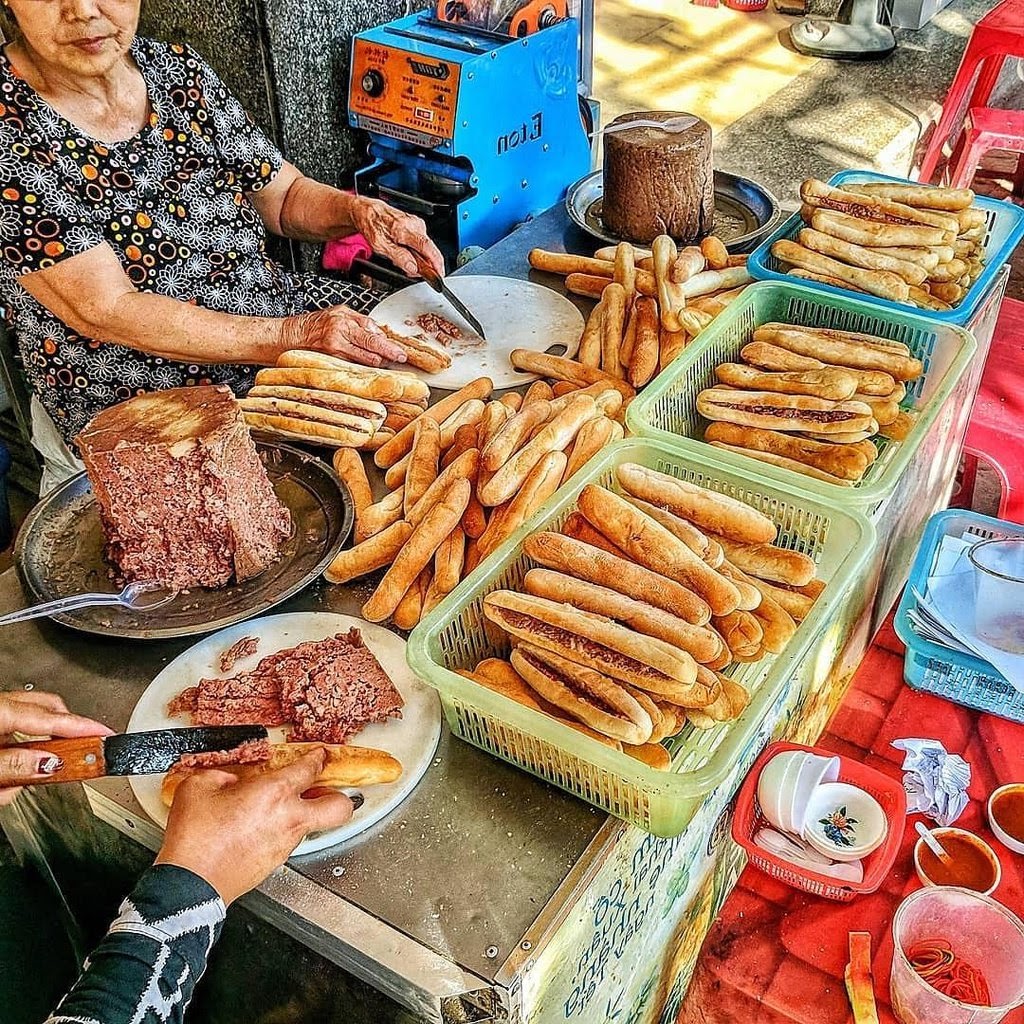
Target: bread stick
pixel 685 531
pixel 514 434
pixel 380 515
pixel 339 401
pixel 373 553
pixel 348 464
pixel 423 461
pixel 644 358
pixel 426 538
pixel 577 526
pixel 589 351
pixel 833 347
pixel 624 273
pixel 465 467
pixel 593 437
pixel 612 325
pixel 560 368
pixel 565 263
pixel 448 562
pixel 858 256
pixel 690 262
pixel 878 282
pixel 541 482
pixel 778 359
pixel 872 233
pixel 785 462
pixel 833 384
pixel 538 391
pixel 766 561
pixel 410 609
pixel 715 252
pixel 924 197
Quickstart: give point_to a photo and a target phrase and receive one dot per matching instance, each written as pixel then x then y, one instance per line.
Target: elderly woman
pixel 135 198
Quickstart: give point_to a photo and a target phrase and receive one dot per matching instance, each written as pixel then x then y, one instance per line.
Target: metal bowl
pixel 744 210
pixel 59 553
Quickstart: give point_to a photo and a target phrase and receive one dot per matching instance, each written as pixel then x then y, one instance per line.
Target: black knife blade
pixel 437 282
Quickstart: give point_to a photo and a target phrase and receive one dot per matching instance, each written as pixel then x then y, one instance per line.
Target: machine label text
pixel 528 131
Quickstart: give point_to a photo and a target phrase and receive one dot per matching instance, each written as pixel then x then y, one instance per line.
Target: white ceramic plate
pixel 514 314
pixel 412 738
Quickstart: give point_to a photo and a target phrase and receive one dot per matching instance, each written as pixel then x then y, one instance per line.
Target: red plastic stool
pixel 1000 34
pixel 986 128
pixel 996 431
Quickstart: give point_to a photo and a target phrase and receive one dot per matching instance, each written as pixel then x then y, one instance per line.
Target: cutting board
pixel 412 738
pixel 513 313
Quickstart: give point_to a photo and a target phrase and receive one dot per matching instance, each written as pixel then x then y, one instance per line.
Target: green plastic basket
pixel 667 409
pixel 456 636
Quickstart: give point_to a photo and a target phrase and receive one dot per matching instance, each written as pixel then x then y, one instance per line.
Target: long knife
pixel 437 282
pixel 137 753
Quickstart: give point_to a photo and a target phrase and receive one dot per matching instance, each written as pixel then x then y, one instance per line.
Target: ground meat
pixel 237 651
pixel 185 703
pixel 252 752
pixel 818 415
pixel 329 689
pixel 438 327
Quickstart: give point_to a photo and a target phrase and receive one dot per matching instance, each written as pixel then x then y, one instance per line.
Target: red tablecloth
pixel 776 955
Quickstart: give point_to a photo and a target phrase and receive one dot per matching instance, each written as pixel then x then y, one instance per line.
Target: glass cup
pixel 999 592
pixel 978 928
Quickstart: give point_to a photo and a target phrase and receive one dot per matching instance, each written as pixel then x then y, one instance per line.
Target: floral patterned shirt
pixel 172 202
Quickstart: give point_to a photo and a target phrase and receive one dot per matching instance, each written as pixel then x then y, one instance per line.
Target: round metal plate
pixel 744 210
pixel 60 553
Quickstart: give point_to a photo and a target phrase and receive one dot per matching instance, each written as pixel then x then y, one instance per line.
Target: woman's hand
pixel 234 833
pixel 393 234
pixel 340 331
pixel 35 714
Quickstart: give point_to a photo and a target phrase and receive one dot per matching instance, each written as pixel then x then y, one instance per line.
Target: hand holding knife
pixel 437 282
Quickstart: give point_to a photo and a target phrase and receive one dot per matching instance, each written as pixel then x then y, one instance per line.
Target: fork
pixel 139 597
pixel 674 125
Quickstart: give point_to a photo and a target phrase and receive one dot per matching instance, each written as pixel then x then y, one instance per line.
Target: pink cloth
pixel 341 253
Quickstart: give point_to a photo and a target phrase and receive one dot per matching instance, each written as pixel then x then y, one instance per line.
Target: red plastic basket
pixel 749 820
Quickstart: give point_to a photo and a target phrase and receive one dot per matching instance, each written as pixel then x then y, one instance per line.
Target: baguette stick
pixel 928 258
pixel 410 609
pixel 514 434
pixel 401 443
pixel 694 320
pixel 593 437
pixel 706 509
pixel 426 538
pixel 651 545
pixel 588 285
pixel 612 319
pixel 565 263
pixel 885 410
pixel 797 606
pixel 858 256
pixel 396 420
pixel 856 437
pixel 468 414
pixel 832 282
pixel 589 352
pixel 868 207
pixel 553 436
pixel 448 562
pixel 538 391
pixel 778 359
pixel 900 427
pixel 349 466
pixel 699 641
pixel 873 234
pixel 586 562
pixel 474 520
pixel 714 281
pixel 560 368
pixel 665 254
pixel 606 397
pixel 652 754
pixel 766 561
pixel 380 515
pixel 750 596
pixel 741 632
pixel 833 384
pixel 715 252
pixel 339 375
pixel 563 387
pixel 643 360
pixel 923 197
pixel 785 462
pixel 625 270
pixel 777 625
pixel 373 553
pixel 512 400
pixel 465 467
pixel 423 461
pixel 345 766
pixel 541 482
pixel 494 418
pixel 877 282
pixel 375 412
pixel 418 352
pixel 836 350
pixel 690 262
pixel 680 528
pixel 628 337
pixel 670 346
pixel 308 430
pixel 607 252
pixel 838 460
pixel 948 273
pixel 577 526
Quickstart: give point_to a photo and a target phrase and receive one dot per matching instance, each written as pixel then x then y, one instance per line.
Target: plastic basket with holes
pixel 456 636
pixel 1004 228
pixel 961 678
pixel 749 819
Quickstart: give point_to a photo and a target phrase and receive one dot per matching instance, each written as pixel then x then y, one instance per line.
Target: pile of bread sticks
pixel 906 243
pixel 811 399
pixel 633 609
pixel 651 303
pixel 323 400
pixel 462 477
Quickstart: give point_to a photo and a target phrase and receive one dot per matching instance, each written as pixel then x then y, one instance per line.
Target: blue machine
pixel 472 130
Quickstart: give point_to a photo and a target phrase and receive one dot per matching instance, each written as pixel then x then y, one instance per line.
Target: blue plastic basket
pixel 960 678
pixel 1004 229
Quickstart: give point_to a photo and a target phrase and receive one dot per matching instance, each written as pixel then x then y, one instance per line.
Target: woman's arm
pixel 309 211
pixel 92 294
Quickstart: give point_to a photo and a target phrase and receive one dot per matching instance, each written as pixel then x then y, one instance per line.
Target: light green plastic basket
pixel 456 636
pixel 667 409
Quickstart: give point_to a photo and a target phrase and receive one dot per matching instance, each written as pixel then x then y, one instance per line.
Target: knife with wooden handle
pixel 136 753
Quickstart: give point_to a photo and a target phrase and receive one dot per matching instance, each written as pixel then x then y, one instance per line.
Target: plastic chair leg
pixel 973 150
pixel 951 110
pixel 987 78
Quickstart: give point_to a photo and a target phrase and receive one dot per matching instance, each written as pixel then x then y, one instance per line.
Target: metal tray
pixel 744 210
pixel 59 553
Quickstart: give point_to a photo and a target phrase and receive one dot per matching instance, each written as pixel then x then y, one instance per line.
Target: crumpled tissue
pixel 935 780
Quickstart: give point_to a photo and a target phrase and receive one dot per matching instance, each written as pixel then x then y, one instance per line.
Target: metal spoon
pixel 140 597
pixel 674 125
